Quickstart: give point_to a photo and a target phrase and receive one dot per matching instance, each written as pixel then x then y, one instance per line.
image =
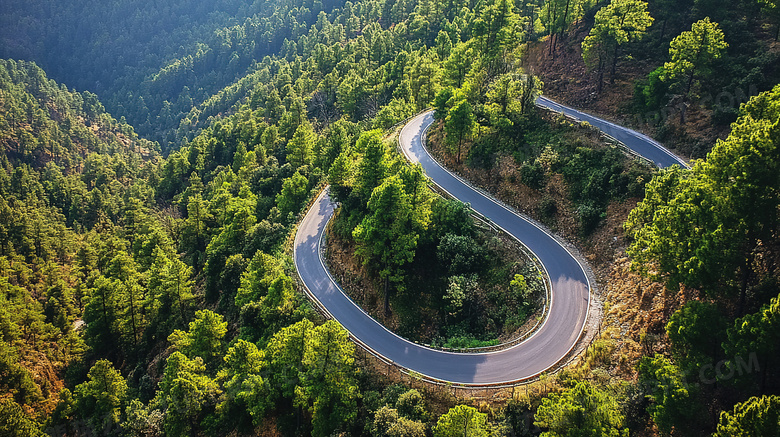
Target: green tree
pixel 531 88
pixel 412 406
pixel 557 15
pixel 443 45
pixel 203 339
pixel 329 388
pixel 132 321
pixel 394 112
pixel 15 423
pixel 450 217
pixel 294 192
pixel 186 393
pixel 224 260
pixel 744 173
pixel 100 399
pixel 255 281
pixel 459 125
pixel 692 54
pixel 462 421
pixel 240 213
pixel 458 64
pixel 510 97
pixel 758 416
pixel 384 238
pixel 373 163
pixel 441 102
pixel 696 331
pixel 100 314
pixel 284 354
pixel 504 101
pixel 340 176
pixel 384 419
pixel 387 423
pixel 350 92
pixel 273 311
pixel 243 383
pixel 195 229
pixel 496 31
pixel 757 333
pixel 141 421
pixel 619 22
pixel 239 157
pixel 420 197
pixel 299 148
pixel 461 290
pixel 170 287
pixel 423 77
pixel 582 410
pixel 674 404
pixel 313 368
pixel 339 137
pixel 702 228
pixel 280 307
pixel 460 254
pixel 17 381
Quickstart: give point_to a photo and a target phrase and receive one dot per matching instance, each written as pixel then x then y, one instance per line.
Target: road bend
pixel 570 290
pixel 565 319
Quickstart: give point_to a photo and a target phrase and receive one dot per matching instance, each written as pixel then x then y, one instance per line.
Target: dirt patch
pixel 635 309
pixel 567 80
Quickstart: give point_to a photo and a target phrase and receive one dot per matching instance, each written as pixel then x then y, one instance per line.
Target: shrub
pixel 460 254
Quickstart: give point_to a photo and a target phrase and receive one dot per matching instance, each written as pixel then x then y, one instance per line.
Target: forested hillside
pixel 151 62
pixel 71 174
pixel 147 285
pixel 657 71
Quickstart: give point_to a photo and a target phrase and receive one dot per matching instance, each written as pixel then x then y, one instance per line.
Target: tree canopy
pixel 583 410
pixel 618 23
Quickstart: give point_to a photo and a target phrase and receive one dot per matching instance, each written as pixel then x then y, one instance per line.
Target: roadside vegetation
pixel 147 287
pixel 464 285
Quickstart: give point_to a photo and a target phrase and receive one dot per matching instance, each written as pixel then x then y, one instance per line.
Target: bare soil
pixel 635 309
pixel 567 80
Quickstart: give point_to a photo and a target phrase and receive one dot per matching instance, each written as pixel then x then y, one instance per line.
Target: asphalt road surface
pixel 639 143
pixel 570 290
pixel 568 306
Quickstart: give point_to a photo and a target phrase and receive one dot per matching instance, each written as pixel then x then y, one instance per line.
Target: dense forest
pixel 157 156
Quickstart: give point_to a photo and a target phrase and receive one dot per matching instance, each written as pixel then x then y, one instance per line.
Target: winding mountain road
pixel 570 289
pixel 640 143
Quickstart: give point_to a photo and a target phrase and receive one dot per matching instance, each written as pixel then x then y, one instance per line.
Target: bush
pixel 483 151
pixel 547 208
pixel 440 102
pixel 468 343
pixel 412 405
pixel 532 175
pixel 724 116
pixel 450 217
pixel 392 113
pixel 651 94
pixel 589 217
pixel 460 254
